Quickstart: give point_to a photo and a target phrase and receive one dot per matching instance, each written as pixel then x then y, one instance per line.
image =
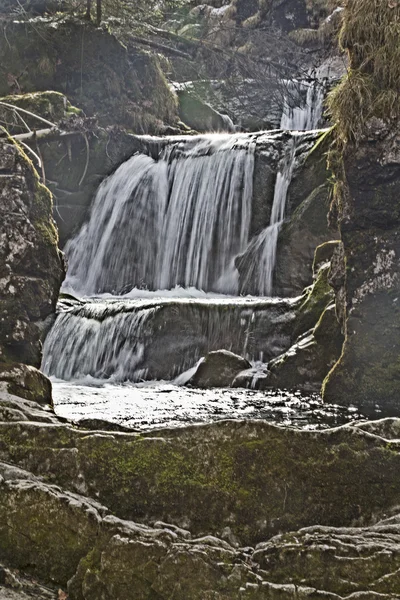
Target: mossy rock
pixel 317 298
pixel 31 268
pixel 52 106
pixel 26 381
pixel 199 115
pixel 92 68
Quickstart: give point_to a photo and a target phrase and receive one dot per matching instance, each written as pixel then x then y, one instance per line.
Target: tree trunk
pixel 88 8
pixel 98 12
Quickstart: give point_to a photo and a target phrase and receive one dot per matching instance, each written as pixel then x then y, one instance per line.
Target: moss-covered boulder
pixel 305 365
pixel 50 106
pixel 245 480
pixel 31 271
pixel 199 115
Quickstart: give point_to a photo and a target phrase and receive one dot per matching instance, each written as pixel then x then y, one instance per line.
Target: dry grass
pixel 371 36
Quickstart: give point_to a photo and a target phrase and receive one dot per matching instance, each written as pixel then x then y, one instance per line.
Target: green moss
pixel 317 298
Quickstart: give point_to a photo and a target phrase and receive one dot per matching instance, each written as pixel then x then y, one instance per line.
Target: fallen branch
pixel 27 112
pixel 158 46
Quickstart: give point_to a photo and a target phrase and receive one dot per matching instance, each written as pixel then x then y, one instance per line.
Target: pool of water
pixel 158 404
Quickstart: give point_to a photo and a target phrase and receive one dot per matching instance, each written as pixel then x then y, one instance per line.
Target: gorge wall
pixel 366 159
pixel 31 272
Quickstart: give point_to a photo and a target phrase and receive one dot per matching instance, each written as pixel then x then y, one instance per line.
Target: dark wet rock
pixel 308 202
pixel 218 369
pixel 298 239
pixel 102 425
pixel 366 279
pixel 31 271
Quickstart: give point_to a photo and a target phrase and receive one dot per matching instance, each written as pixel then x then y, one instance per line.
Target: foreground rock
pixel 244 480
pixel 31 271
pixel 218 369
pixel 69 542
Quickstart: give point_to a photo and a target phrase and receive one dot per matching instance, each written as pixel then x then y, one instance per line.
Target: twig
pixel 42 163
pixel 87 160
pixel 32 152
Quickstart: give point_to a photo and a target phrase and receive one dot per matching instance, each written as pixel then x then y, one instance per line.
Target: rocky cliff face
pixel 367 164
pixel 31 271
pixel 368 371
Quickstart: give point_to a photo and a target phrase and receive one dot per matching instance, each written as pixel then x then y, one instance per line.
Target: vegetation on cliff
pixel 371 36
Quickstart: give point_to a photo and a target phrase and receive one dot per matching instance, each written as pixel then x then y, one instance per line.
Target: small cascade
pixel 303 105
pixel 178 220
pixel 159 338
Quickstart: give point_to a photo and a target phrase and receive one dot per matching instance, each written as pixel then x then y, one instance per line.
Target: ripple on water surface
pixel 162 404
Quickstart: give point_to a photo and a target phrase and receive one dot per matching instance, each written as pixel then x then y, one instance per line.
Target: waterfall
pixel 261 253
pixel 179 220
pixel 302 111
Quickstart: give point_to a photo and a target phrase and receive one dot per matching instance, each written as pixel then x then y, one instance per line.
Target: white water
pixel 177 221
pixel 261 252
pixel 303 106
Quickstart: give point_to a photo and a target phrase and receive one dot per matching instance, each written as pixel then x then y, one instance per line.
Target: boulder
pixel 218 369
pixel 199 115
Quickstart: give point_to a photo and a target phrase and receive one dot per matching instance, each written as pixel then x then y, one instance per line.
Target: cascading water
pixel 175 223
pixel 303 105
pixel 302 111
pixel 179 220
pixel 126 339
